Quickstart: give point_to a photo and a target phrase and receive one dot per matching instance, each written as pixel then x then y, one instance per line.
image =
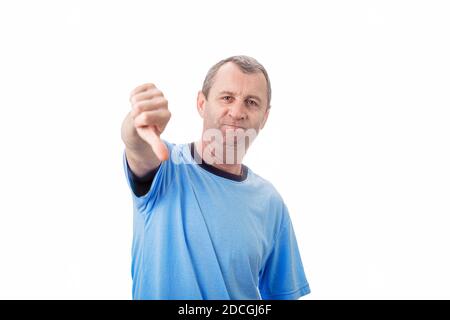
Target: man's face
pixel 235 101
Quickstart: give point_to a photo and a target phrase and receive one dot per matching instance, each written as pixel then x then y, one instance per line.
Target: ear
pixel 266 115
pixel 201 99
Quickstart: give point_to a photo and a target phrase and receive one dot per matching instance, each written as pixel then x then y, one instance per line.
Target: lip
pixel 232 126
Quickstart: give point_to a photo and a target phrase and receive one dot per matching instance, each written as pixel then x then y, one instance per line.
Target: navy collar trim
pixel 218 172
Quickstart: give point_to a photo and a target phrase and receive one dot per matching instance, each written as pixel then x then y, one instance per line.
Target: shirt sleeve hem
pixel 293 295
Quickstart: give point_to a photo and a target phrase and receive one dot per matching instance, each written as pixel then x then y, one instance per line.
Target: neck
pixel 216 156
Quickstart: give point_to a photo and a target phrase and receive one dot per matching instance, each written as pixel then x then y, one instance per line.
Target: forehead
pixel 230 78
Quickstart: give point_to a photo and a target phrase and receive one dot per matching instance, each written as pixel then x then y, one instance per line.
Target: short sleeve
pixel 283 277
pixel 159 185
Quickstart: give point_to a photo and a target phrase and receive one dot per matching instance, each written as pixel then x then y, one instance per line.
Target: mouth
pixel 232 127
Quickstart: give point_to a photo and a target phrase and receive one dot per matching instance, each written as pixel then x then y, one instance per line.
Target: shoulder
pixel 269 198
pixel 265 186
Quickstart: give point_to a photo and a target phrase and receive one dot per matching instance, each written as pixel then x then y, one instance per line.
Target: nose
pixel 237 111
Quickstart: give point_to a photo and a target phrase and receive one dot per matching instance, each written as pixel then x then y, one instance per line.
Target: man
pixel 205 225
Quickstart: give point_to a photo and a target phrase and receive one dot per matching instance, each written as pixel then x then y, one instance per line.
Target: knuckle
pixel 133 97
pixel 138 108
pixel 158 101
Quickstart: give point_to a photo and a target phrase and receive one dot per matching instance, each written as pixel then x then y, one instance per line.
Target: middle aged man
pixel 205 225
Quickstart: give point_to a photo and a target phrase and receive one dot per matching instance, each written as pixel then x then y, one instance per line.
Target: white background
pixel 357 141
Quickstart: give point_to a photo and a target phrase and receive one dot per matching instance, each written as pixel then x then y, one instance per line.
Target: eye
pixel 227 98
pixel 252 103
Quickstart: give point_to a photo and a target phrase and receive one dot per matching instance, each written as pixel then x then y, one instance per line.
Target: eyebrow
pixel 234 94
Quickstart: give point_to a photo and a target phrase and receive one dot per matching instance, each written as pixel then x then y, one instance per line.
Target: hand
pixel 150 114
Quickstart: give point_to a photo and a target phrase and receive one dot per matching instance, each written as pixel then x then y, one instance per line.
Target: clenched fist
pixel 150 114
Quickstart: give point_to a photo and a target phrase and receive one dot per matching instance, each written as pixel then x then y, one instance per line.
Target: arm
pixel 142 127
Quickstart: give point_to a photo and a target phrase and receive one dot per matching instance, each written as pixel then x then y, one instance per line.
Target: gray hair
pixel 247 65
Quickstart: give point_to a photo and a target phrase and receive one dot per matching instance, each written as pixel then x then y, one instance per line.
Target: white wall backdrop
pixel 357 141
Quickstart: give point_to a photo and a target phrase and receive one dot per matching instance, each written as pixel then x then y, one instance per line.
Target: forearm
pixel 130 136
pixel 140 155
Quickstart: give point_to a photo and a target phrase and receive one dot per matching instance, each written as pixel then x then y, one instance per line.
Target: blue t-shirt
pixel 197 235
